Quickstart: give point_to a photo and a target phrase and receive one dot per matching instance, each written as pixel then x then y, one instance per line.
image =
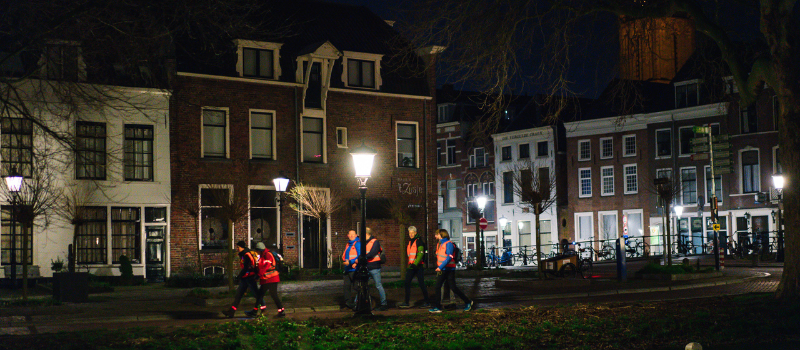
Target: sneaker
pixel 435 310
pixel 350 305
pixel 426 306
pixel 282 313
pixel 251 313
pixel 468 306
pixel 382 307
pixel 229 312
pixel 403 306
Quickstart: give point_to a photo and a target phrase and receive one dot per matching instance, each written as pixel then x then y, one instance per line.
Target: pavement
pixel 154 305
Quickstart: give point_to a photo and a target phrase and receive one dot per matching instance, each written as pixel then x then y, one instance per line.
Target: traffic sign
pixel 716 227
pixel 704 139
pixel 722 162
pixel 721 170
pixel 717 146
pixel 483 223
pixel 701 130
pixel 700 156
pixel 721 154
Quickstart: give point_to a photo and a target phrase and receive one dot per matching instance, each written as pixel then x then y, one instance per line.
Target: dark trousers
pixel 449 277
pixel 273 292
pixel 244 284
pixel 420 274
pixel 348 287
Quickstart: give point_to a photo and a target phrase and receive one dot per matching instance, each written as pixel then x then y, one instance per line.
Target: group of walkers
pixel 259 272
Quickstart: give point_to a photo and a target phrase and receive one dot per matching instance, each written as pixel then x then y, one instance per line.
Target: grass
pixel 713 322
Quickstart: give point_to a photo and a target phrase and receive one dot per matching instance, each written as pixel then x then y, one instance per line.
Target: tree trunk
pixel 24 262
pixel 668 237
pixel 789 135
pixel 323 247
pixel 403 257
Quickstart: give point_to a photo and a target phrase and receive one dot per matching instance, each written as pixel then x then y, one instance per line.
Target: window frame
pixel 251 207
pixel 526 147
pixel 323 139
pixel 741 170
pixel 448 148
pixel 508 187
pixel 706 175
pixel 602 147
pixel 361 57
pixel 226 130
pixel 683 200
pixel 577 217
pixel 625 139
pixel 272 138
pixel 473 157
pixel 669 134
pixel 258 54
pixel 744 112
pixel 201 207
pixel 603 177
pixel 505 154
pixel 103 167
pixel 102 239
pixel 581 194
pixel 689 142
pixel 777 167
pixel 627 176
pixel 686 85
pixel 126 157
pixel 416 159
pixel 580 150
pixel 137 236
pixel 24 168
pixel 600 215
pixel 259 46
pixel 539 149
pixel 341 137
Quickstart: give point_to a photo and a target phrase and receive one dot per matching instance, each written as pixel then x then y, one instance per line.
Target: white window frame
pixel 580 183
pixel 626 175
pixel 617 227
pixel 510 153
pixel 274 133
pixel 344 137
pixel 606 139
pixel 680 142
pixel 581 142
pixel 447 159
pixel 708 190
pixel 324 138
pixel 655 141
pixel 741 173
pixel 362 56
pixel 680 177
pixel 452 194
pixel 227 131
pixel 603 191
pixel 625 145
pixel 242 44
pixel 417 161
pixel 665 169
pixel 578 226
pixel 250 189
pixel 473 157
pixel 627 212
pixel 200 188
pixel 775 151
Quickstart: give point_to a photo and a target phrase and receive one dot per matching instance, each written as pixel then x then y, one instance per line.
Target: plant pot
pixel 71 287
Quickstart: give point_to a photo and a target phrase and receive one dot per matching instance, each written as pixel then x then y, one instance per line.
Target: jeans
pixel 348 287
pixel 376 275
pixel 273 292
pixel 448 276
pixel 419 273
pixel 244 284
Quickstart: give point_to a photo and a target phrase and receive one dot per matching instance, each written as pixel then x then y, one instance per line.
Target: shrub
pixel 125 268
pixel 199 293
pixel 195 280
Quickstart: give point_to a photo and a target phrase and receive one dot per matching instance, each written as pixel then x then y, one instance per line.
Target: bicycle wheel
pixel 608 253
pixel 586 268
pixel 568 270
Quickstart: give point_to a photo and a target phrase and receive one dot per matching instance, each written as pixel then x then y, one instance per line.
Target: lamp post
pixel 280 183
pixel 481 202
pixel 778 180
pixel 14 183
pixel 678 211
pixel 363 158
pixel 502 221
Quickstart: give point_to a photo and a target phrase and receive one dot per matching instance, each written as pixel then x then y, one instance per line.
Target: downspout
pixel 427 187
pixel 298 234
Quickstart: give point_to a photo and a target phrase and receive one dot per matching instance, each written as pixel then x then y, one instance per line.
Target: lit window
pixel 406 145
pixel 90 157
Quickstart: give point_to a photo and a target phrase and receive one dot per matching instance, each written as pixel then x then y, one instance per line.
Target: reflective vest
pixel 411 250
pixel 441 255
pixel 377 257
pixel 268 271
pixel 353 254
pixel 253 257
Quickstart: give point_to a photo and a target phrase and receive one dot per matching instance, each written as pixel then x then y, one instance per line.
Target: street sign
pixel 701 156
pixel 704 139
pixel 721 154
pixel 701 130
pixel 483 223
pixel 722 170
pixel 716 227
pixel 717 147
pixel 722 162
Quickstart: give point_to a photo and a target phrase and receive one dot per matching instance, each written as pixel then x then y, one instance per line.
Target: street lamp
pixel 363 158
pixel 280 183
pixel 777 181
pixel 481 202
pixel 678 210
pixel 14 183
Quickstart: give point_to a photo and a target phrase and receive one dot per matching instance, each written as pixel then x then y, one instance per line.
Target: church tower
pixel 654 49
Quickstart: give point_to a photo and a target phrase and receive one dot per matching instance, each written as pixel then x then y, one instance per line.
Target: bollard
pixel 693 346
pixel 622 274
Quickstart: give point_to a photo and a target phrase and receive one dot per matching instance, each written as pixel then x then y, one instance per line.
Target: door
pixel 155 254
pixel 311 242
pixel 761 229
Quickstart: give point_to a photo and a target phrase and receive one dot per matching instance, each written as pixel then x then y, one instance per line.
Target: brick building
pixel 293 106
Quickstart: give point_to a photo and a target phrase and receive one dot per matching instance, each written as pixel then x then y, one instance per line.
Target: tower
pixel 654 49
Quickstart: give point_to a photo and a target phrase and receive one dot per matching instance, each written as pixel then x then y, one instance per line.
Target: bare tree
pixel 191 207
pixel 403 213
pixel 73 207
pixel 319 204
pixel 535 185
pixel 231 205
pixel 667 190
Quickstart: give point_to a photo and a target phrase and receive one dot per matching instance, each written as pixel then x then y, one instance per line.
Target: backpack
pixel 456 253
pixel 262 267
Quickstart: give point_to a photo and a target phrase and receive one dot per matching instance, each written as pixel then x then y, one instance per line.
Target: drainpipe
pixel 427 136
pixel 298 234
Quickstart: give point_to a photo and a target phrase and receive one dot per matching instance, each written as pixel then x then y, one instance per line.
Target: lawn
pixel 714 322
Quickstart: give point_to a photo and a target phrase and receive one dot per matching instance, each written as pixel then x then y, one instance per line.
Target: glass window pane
pixel 213 117
pixel 265 63
pixel 353 73
pixel 367 73
pixel 249 61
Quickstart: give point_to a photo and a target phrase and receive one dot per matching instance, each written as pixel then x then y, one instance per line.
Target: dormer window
pixel 257 59
pixel 687 94
pixel 62 61
pixel 361 70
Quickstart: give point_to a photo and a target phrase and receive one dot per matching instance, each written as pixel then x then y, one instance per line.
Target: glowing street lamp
pixel 14 184
pixel 363 158
pixel 778 182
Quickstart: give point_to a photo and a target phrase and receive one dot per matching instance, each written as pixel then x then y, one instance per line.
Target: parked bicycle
pixel 522 258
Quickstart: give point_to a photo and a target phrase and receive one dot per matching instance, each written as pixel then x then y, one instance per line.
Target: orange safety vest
pixel 411 250
pixel 269 272
pixel 377 257
pixel 353 253
pixel 441 255
pixel 253 264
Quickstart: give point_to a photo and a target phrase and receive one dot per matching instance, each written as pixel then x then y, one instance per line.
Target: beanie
pixel 241 244
pixel 261 246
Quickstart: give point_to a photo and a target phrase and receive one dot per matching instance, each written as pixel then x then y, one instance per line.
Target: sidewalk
pixel 155 305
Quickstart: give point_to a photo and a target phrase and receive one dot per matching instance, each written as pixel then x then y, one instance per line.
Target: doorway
pixel 311 242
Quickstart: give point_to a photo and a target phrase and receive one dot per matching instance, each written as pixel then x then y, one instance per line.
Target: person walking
pixel 446 271
pixel 268 278
pixel 248 276
pixel 415 250
pixel 350 260
pixel 374 267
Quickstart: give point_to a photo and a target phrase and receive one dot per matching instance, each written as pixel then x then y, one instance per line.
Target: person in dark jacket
pixel 374 267
pixel 350 260
pixel 268 279
pixel 248 276
pixel 446 271
pixel 415 250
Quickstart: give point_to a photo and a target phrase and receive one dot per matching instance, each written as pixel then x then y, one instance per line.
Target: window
pixel 341 137
pixel 688 186
pixel 607 176
pixel 629 145
pixel 664 143
pixel 263 217
pixel 608 225
pixel 451 151
pixel 14 243
pixel 215 133
pixel 90 149
pixel 258 63
pixel 125 234
pixel 542 149
pixel 472 190
pixel 524 151
pixel 508 187
pixel 606 148
pixel 477 158
pixel 505 153
pixel 749 119
pixel 17 146
pixel 584 150
pixel 261 135
pixel 452 199
pixel 776 161
pixel 686 95
pixel 91 236
pixel 776 110
pixel 62 62
pixel 313 98
pixel 585 181
pixel 544 182
pixel 631 179
pixel 664 174
pixel 312 140
pixel 583 226
pixel 633 223
pixel 444 112
pixel 488 189
pixel 717 185
pixel 406 145
pixel 686 135
pixel 526 185
pixel 360 73
pixel 213 226
pixel 440 156
pixel 750 172
pixel 138 153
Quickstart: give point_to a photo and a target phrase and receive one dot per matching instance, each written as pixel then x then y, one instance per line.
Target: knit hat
pixel 261 246
pixel 241 244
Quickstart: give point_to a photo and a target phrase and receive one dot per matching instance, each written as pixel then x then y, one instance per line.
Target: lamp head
pixel 502 221
pixel 363 158
pixel 280 183
pixel 481 201
pixel 778 180
pixel 14 181
pixel 678 210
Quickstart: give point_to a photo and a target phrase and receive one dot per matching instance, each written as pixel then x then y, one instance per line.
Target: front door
pixel 155 253
pixel 311 242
